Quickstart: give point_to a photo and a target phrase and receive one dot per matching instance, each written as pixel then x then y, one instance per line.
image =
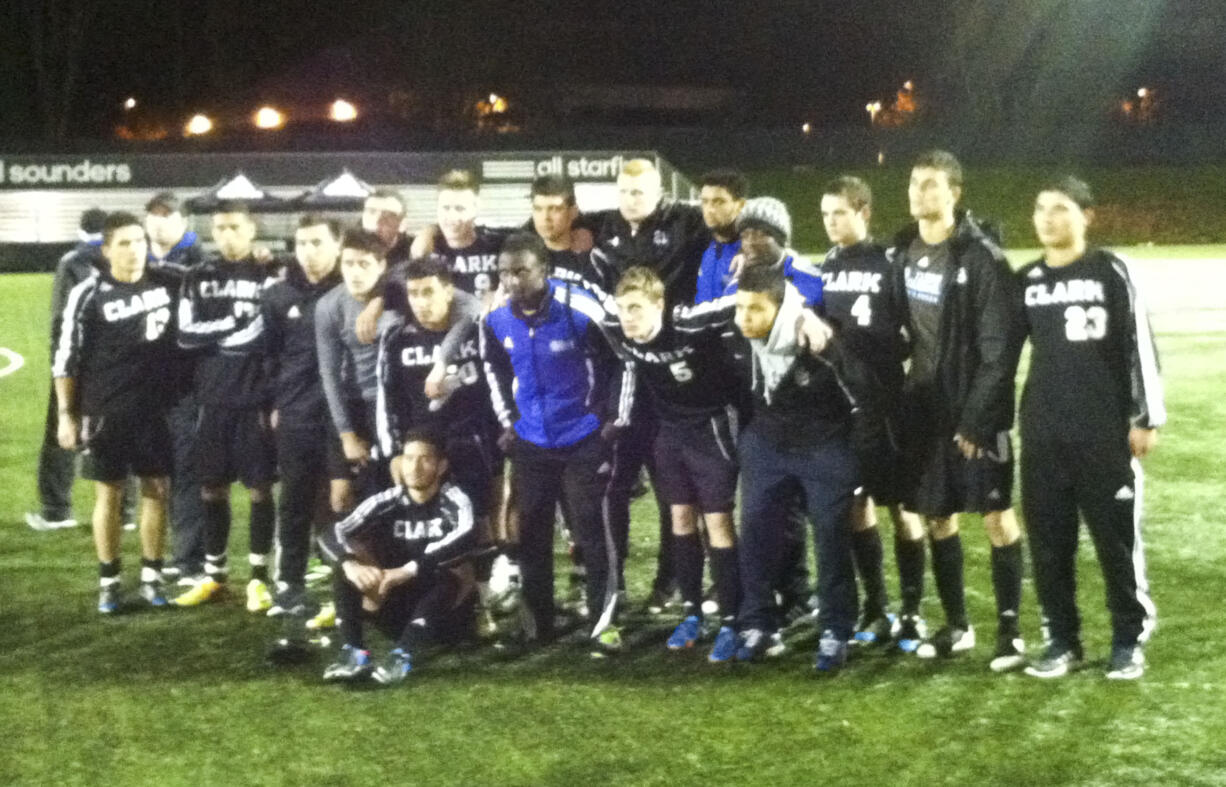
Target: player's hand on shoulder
pixel 1141 441
pixel 366 326
pixel 812 332
pixel 423 242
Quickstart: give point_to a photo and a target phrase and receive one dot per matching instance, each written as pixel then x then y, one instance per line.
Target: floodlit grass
pixel 186 697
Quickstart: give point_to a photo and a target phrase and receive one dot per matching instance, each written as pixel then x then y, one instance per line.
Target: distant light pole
pixel 342 111
pixel 269 118
pixel 198 125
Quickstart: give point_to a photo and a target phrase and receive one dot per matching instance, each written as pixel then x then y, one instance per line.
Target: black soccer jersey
pixel 1093 366
pixel 406 355
pixel 292 360
pixel 670 241
pixel 219 314
pixel 474 268
pixel 396 530
pixel 858 294
pixel 687 370
pixel 117 342
pixel 924 274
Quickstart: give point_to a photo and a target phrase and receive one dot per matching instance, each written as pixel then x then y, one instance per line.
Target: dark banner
pixel 202 170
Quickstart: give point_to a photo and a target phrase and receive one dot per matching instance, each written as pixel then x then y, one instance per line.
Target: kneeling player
pixel 116 329
pixel 692 388
pixel 400 555
pixel 1090 410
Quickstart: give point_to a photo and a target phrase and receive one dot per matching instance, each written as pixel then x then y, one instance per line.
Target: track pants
pixel 1102 481
pixel 828 474
pixel 540 477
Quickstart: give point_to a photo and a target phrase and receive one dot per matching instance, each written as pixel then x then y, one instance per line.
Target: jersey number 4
pixel 1082 324
pixel 862 311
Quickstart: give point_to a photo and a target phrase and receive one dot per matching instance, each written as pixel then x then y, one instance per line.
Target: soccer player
pixel 560 397
pixel 57 466
pixel 645 229
pixel 692 388
pixel 348 366
pixel 554 213
pixel 859 297
pixel 170 241
pixel 462 417
pixel 958 403
pixel 383 214
pixel 471 248
pixel 668 237
pixel 723 193
pixel 799 435
pixel 219 317
pixel 172 244
pixel 399 554
pixel 117 329
pixel 309 453
pixel 1091 407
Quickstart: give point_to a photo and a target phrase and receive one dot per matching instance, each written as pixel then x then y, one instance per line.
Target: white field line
pixel 12 361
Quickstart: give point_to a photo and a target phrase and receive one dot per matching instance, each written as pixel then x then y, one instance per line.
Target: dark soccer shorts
pixel 696 463
pixel 938 481
pixel 473 462
pixel 120 444
pixel 235 444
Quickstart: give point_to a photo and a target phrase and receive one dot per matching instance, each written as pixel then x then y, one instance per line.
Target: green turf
pixel 186 698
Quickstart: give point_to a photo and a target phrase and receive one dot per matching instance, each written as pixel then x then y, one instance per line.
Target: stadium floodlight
pixel 269 118
pixel 872 108
pixel 129 103
pixel 197 125
pixel 908 85
pixel 342 111
pixel 1142 92
pixel 806 127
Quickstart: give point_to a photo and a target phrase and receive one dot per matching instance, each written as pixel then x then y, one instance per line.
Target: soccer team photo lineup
pixel 440 428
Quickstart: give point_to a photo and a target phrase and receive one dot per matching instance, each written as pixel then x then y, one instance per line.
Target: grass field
pixel 187 698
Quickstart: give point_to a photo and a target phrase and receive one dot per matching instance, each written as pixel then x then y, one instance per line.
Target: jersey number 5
pixel 1082 324
pixel 682 372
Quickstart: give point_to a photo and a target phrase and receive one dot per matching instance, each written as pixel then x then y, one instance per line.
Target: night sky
pixel 992 62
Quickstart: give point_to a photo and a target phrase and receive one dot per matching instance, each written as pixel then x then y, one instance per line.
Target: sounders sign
pixel 59 173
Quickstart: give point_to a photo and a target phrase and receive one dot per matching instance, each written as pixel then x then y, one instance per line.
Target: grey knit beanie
pixel 769 215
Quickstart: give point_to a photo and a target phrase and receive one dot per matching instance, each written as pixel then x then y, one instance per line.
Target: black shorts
pixel 121 444
pixel 473 462
pixel 876 441
pixel 696 463
pixel 234 444
pixel 938 481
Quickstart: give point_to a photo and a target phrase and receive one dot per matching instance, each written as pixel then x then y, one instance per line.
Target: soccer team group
pixel 437 407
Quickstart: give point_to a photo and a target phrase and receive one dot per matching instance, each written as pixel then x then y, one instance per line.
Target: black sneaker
pixel 756 644
pixel 1127 662
pixel 289 600
pixel 948 641
pixel 1010 652
pixel 910 633
pixel 1056 662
